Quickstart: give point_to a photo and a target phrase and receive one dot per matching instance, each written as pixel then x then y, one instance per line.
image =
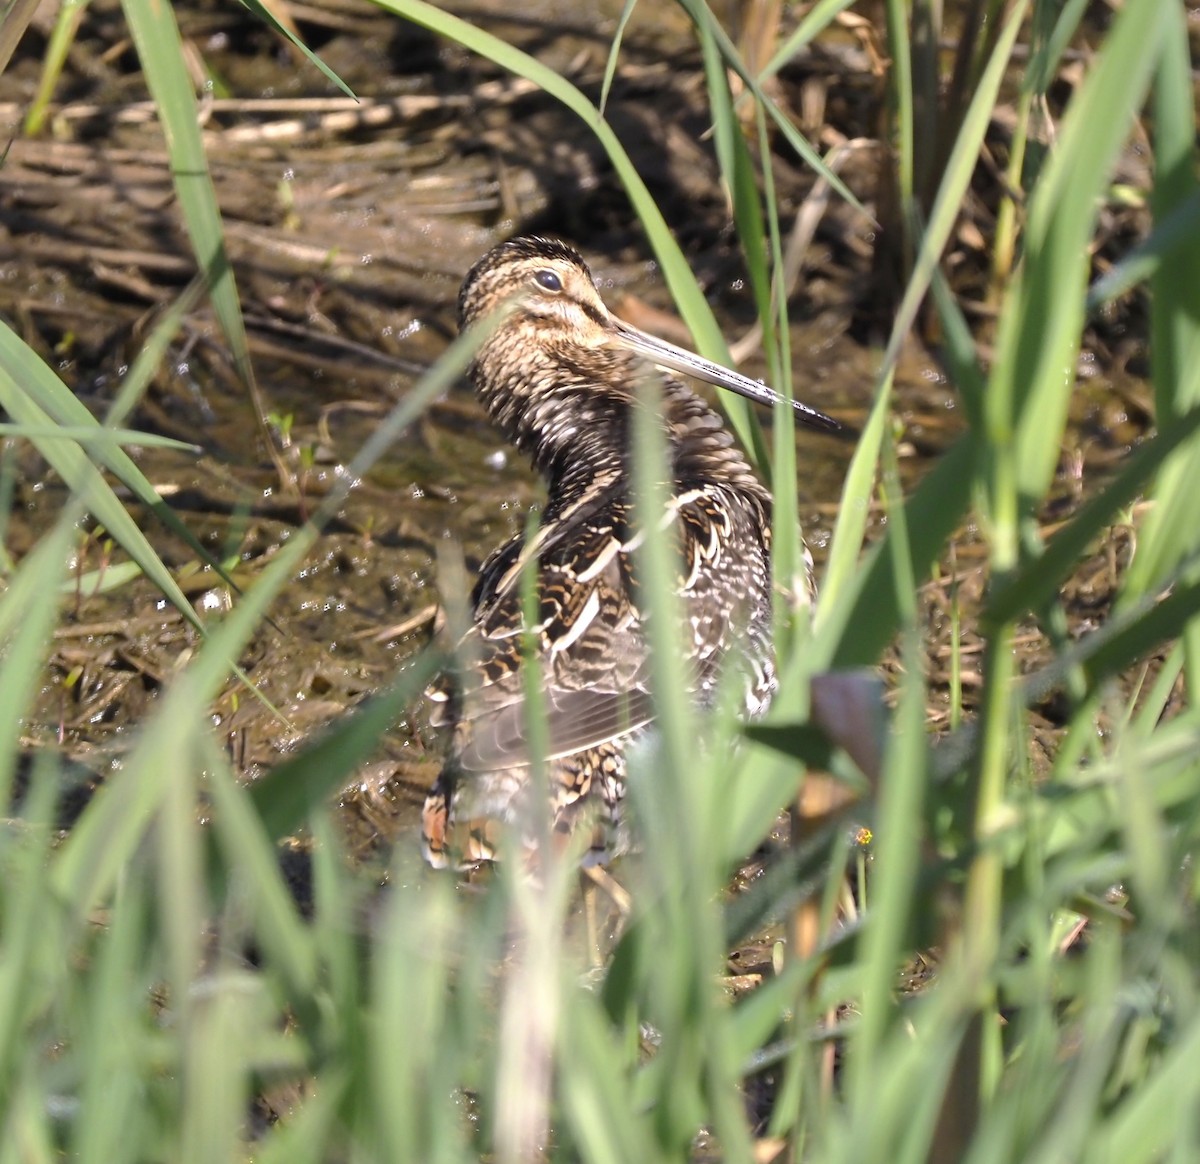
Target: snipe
pixel 559 378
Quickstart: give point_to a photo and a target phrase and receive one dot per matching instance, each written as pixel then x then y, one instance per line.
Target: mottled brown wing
pixel 576 721
pixel 590 628
pixel 591 649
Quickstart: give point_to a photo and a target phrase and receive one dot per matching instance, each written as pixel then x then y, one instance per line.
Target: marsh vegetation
pixel 239 463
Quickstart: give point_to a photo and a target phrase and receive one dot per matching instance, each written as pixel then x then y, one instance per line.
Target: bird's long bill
pixel 667 355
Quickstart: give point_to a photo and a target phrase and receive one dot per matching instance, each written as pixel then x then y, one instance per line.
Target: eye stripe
pixel 592 313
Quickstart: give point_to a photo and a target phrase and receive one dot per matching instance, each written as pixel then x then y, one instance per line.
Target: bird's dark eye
pixel 548 280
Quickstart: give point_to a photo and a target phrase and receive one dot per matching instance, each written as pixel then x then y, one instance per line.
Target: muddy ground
pixel 350 227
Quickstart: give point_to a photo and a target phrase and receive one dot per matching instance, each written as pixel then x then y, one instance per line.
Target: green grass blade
pixel 62 39
pixel 160 50
pixel 959 169
pixel 268 17
pixel 1147 1122
pixel 95 438
pixel 899 828
pixel 854 507
pixel 250 857
pixel 17 19
pixel 931 516
pixel 1173 232
pixel 708 24
pixel 27 623
pixel 1038 338
pixel 1037 582
pixel 737 168
pixel 112 1087
pixel 85 480
pixel 290 791
pixel 864 621
pixel 1170 529
pixel 614 52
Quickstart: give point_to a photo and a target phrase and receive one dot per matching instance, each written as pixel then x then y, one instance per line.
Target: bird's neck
pixel 576 425
pixel 558 412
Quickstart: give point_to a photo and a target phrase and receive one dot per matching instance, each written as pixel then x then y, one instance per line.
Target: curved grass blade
pixel 932 513
pixel 160 50
pixel 737 167
pixel 614 52
pixel 708 24
pixel 267 16
pixel 96 437
pixel 66 26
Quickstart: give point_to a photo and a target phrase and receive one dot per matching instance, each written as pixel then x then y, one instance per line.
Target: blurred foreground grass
pixel 160 990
